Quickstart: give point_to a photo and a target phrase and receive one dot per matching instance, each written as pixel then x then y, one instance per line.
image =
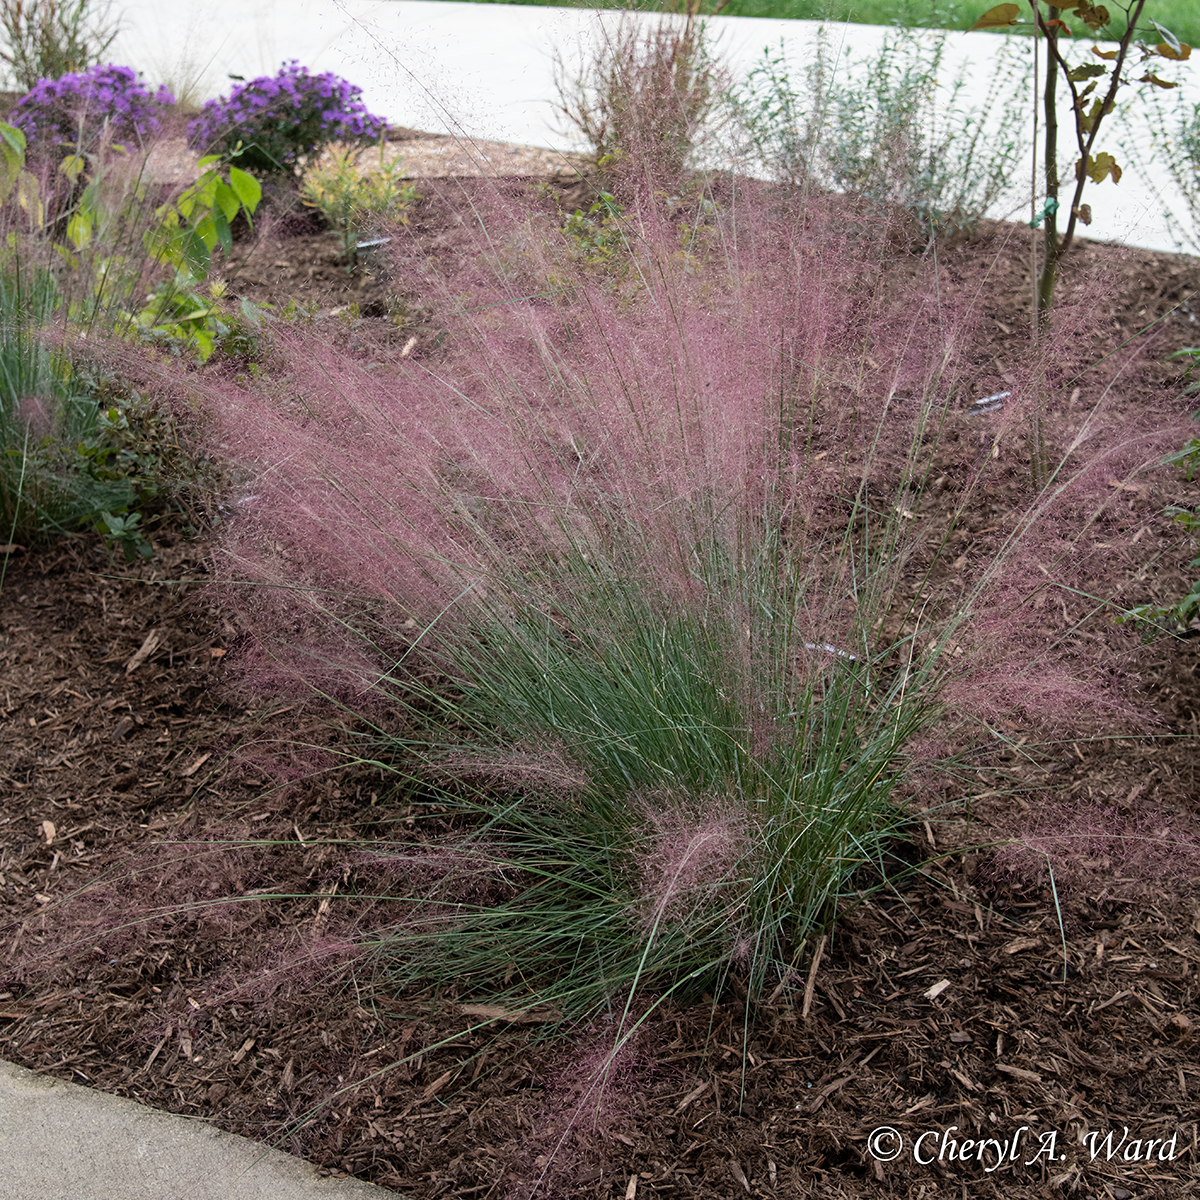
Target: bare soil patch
pixel 942 1011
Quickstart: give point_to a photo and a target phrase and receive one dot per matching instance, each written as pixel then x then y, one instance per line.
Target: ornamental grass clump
pixel 665 594
pixel 46 39
pixel 45 484
pixel 644 97
pixel 275 124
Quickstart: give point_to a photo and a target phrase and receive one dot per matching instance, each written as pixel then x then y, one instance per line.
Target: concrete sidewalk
pixel 60 1141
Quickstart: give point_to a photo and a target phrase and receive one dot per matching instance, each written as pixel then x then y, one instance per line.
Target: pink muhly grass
pixel 165 888
pixel 1086 845
pixel 38 414
pixel 705 464
pixel 619 430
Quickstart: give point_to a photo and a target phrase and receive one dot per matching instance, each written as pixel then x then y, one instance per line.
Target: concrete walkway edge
pixel 61 1141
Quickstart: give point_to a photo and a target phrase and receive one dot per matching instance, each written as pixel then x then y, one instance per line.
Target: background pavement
pixel 59 1141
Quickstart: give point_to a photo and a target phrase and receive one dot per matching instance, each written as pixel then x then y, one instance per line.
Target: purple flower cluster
pixel 75 109
pixel 270 123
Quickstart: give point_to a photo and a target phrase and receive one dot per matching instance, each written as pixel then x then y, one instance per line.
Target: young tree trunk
pixel 1051 248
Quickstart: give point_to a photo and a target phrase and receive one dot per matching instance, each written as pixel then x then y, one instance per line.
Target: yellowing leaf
pixel 72 166
pixel 1165 51
pixel 1150 77
pixel 999 17
pixel 1097 168
pixel 79 230
pixel 1094 18
pixel 1105 54
pixel 30 199
pixel 12 158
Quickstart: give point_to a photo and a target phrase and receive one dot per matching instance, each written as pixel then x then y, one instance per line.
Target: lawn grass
pixel 1182 17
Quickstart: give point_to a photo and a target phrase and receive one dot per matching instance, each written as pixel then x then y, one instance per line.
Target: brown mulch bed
pixel 940 1011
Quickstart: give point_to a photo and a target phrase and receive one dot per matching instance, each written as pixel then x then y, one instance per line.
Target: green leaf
pixel 226 200
pixel 14 137
pixel 999 17
pixel 206 230
pixel 203 341
pixel 1167 36
pixel 224 235
pixel 196 254
pixel 12 152
pixel 247 189
pixel 1086 71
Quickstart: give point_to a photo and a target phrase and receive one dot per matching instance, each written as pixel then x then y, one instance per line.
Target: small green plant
pixel 111 253
pixel 1089 107
pixel 595 235
pixel 1152 619
pixel 353 200
pixel 1192 354
pixel 124 531
pixel 56 468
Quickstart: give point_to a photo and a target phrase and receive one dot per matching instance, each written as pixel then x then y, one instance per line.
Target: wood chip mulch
pixel 932 1036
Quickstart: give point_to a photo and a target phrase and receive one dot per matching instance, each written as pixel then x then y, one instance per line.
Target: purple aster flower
pixel 77 107
pixel 271 123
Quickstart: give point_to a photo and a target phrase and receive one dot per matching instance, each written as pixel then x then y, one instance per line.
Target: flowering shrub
pixel 76 108
pixel 271 123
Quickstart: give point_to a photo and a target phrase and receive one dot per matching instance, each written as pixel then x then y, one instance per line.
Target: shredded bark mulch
pixel 987 1030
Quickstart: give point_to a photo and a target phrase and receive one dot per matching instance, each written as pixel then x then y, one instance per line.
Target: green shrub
pixel 887 129
pixel 643 100
pixel 353 200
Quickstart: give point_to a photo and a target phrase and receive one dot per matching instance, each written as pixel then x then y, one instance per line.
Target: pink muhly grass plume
pixel 165 888
pixel 777 381
pixel 690 858
pixel 390 506
pixel 38 414
pixel 586 1100
pixel 1088 846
